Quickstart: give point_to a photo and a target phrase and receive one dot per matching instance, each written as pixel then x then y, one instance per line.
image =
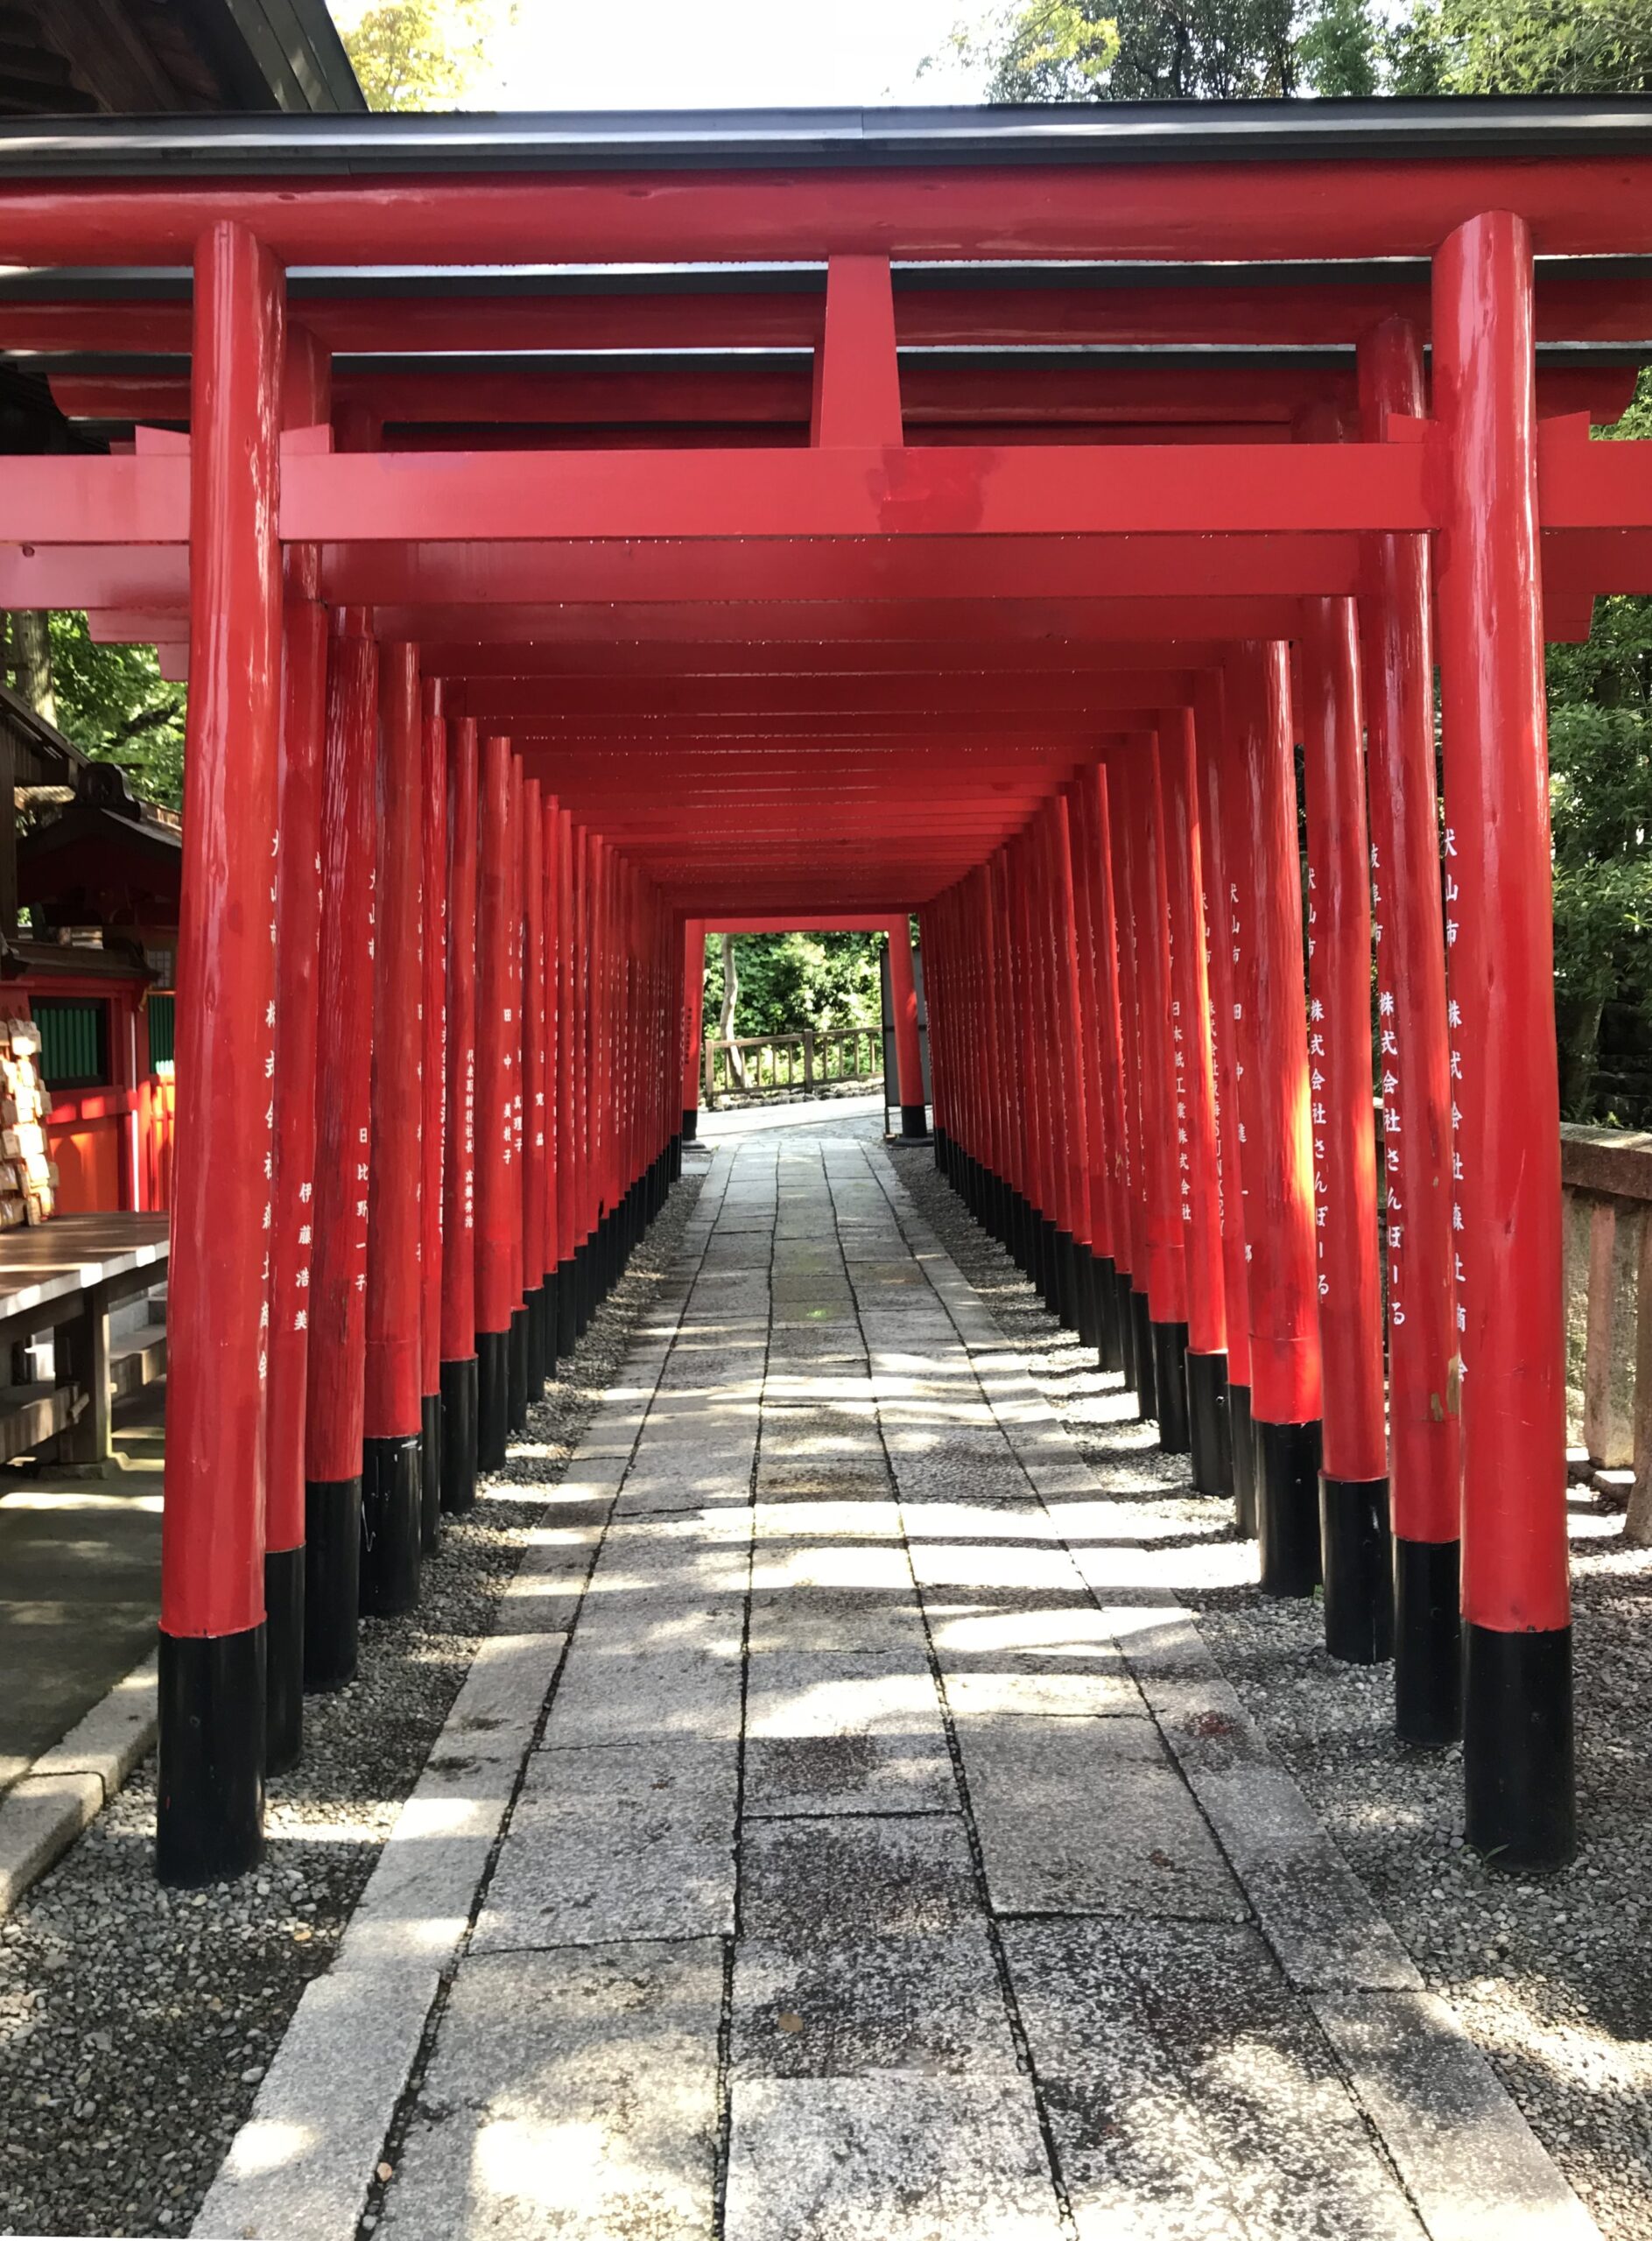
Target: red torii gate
pixel 1016 636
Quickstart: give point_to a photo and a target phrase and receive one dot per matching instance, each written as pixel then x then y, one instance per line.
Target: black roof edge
pixel 1100 133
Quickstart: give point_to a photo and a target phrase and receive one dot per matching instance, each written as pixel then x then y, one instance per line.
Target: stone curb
pixel 1474 2169
pixel 68 1786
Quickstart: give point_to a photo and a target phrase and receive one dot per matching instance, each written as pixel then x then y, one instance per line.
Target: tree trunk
pixel 28 656
pixel 726 1024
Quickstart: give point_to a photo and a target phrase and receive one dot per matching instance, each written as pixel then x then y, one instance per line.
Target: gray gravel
pixel 135 2023
pixel 1550 1974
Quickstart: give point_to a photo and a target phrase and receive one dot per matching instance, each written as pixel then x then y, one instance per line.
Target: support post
pixel 1424 1422
pixel 1517 1737
pixel 210 1815
pixel 1353 1486
pixel 458 1373
pixel 432 1019
pixel 298 951
pixel 338 1274
pixel 909 1060
pixel 495 1128
pixel 393 1420
pixel 1273 1108
pixel 693 1021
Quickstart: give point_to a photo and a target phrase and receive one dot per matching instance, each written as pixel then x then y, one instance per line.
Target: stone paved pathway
pixel 890 1861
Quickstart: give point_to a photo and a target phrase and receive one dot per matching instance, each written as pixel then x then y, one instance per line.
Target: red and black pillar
pixel 343 1161
pixel 495 1117
pixel 1517 1733
pixel 458 1336
pixel 393 1417
pixel 210 1816
pixel 1425 1448
pixel 432 1020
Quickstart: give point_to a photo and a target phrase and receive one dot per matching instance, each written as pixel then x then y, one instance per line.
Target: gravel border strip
pixel 67 1788
pixel 1474 2167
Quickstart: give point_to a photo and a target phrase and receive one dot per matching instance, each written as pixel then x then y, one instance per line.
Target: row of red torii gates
pixel 960 512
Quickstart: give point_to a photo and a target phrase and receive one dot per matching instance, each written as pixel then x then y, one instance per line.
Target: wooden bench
pixel 65 1277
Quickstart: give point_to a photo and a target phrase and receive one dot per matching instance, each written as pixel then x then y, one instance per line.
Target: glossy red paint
pixel 344 1058
pixel 551 1014
pixel 533 1038
pixel 693 1008
pixel 432 1019
pixel 394 1381
pixel 1396 623
pixel 908 1068
pixel 1225 921
pixel 495 1085
pixel 212 1552
pixel 299 881
pixel 459 1324
pixel 1350 1294
pixel 1285 1379
pixel 1193 1084
pixel 1498 937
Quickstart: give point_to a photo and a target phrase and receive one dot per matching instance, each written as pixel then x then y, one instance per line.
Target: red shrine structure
pixel 578 530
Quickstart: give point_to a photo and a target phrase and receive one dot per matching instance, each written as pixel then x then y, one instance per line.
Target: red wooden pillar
pixel 1220 794
pixel 569 1167
pixel 909 1061
pixel 1099 825
pixel 433 1019
pixel 1424 1424
pixel 458 1372
pixel 550 840
pixel 517 1052
pixel 694 1020
pixel 344 1058
pixel 1099 1269
pixel 210 1820
pixel 1193 1117
pixel 1353 1487
pixel 533 1169
pixel 1517 1745
pixel 1075 1067
pixel 1168 1301
pixel 297 950
pixel 495 1118
pixel 1273 1108
pixel 1129 938
pixel 393 1421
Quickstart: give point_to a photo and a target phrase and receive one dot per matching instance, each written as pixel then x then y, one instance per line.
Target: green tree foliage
pixel 1522 46
pixel 114 705
pixel 1172 50
pixel 791 981
pixel 420 54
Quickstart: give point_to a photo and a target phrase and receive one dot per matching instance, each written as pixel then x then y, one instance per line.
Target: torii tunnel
pixel 573 529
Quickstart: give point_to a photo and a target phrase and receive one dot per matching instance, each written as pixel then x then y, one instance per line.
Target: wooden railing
pixel 1607 1184
pixel 792 1065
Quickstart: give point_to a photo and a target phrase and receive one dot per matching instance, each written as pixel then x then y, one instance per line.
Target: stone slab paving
pixel 866 1848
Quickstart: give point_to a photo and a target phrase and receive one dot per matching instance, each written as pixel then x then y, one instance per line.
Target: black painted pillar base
pixel 1518 1776
pixel 332 1582
pixel 430 1473
pixel 1208 1430
pixel 552 1323
pixel 541 1340
pixel 1358 1569
pixel 1104 1307
pixel 1124 1316
pixel 567 1320
pixel 209 1809
pixel 391 1538
pixel 459 1436
pixel 1170 1387
pixel 583 1301
pixel 691 1123
pixel 493 1400
pixel 1085 1320
pixel 283 1659
pixel 1146 1381
pixel 1047 1259
pixel 1288 1507
pixel 1066 1273
pixel 516 1372
pixel 1241 1439
pixel 1428 1643
pixel 915 1122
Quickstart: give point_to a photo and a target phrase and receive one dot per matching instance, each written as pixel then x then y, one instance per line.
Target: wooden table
pixel 64 1277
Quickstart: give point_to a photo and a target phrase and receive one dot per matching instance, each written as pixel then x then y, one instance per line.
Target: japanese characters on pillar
pixel 550 836
pixel 1357 1557
pixel 495 1090
pixel 210 1820
pixel 1517 1745
pixel 433 1088
pixel 458 1373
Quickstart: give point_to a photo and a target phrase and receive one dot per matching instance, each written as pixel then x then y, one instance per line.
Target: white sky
pixel 721 53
